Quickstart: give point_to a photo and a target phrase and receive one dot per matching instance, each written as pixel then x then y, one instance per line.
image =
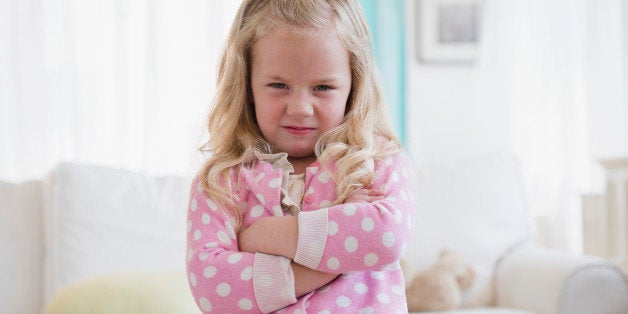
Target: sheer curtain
pixel 562 63
pixel 118 83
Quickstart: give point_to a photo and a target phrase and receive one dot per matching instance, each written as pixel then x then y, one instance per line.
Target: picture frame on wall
pixel 448 31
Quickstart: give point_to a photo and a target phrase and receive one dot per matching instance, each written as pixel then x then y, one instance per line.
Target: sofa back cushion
pixel 21 247
pixel 101 220
pixel 475 207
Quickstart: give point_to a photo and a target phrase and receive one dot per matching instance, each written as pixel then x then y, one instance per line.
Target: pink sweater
pixel 363 241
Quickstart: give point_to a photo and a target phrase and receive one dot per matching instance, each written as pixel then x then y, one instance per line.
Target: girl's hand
pixel 365 196
pixel 271 235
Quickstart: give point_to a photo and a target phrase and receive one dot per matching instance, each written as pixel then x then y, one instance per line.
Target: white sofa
pixel 100 240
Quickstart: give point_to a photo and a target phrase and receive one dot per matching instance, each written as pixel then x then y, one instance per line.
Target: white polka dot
pixel 324 312
pixel 368 224
pixel 223 237
pixel 404 196
pixel 299 311
pixel 398 216
pixel 246 274
pixel 209 271
pixel 388 239
pixel 370 259
pixel 277 211
pixel 230 230
pixel 189 225
pixel 274 183
pixel 351 244
pixel 223 289
pixel 324 204
pixel 383 298
pixel 349 210
pixel 333 228
pixel 211 245
pixel 366 310
pixel 261 198
pixel 398 290
pixel 193 205
pixel 257 211
pixel 197 235
pixel 206 218
pixel 333 263
pixel 234 258
pixel 360 288
pixel 395 176
pixel 245 304
pixel 212 205
pixel 313 169
pixel 377 275
pixel 324 177
pixel 190 254
pixel 343 301
pixel 199 186
pixel 309 191
pixel 381 208
pixel 206 306
pixel 260 177
pixel 392 266
pixel 203 256
pixel 192 279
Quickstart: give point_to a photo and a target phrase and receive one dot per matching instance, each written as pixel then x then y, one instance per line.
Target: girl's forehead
pixel 294 31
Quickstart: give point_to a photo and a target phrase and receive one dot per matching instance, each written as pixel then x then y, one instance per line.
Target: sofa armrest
pixel 551 281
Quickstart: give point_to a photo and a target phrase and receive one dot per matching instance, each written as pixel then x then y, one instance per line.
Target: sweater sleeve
pixel 361 236
pixel 222 279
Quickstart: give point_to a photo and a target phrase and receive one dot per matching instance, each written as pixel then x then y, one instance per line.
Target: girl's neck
pixel 301 163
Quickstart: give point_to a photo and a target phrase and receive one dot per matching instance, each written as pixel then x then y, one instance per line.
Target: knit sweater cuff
pixel 313 226
pixel 273 282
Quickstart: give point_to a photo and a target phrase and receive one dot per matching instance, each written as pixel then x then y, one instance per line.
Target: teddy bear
pixel 440 287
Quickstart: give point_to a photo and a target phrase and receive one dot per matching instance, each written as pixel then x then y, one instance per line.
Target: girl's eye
pixel 322 87
pixel 278 85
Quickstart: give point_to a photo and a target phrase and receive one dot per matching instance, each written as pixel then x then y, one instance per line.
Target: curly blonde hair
pixel 362 137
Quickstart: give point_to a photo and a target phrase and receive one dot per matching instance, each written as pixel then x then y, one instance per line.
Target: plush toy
pixel 440 287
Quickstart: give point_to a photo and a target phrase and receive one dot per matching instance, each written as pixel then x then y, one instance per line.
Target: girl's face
pixel 300 87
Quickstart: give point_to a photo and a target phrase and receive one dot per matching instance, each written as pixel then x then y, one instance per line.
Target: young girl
pixel 305 203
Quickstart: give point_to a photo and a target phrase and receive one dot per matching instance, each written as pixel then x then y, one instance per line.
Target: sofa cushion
pixel 475 207
pixel 22 247
pixel 128 293
pixel 482 311
pixel 101 220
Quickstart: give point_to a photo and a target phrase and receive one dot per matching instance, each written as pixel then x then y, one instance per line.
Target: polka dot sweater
pixel 361 241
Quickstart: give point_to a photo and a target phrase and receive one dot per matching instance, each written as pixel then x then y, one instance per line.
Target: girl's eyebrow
pixel 326 80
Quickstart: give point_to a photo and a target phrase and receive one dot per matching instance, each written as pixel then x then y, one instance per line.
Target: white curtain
pixel 112 82
pixel 561 68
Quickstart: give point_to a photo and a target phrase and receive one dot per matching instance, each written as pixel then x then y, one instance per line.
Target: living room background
pixel 128 84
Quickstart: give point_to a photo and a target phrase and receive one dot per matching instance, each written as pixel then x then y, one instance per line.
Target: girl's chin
pixel 301 154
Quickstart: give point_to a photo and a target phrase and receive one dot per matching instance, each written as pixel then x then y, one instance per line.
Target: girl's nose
pixel 300 105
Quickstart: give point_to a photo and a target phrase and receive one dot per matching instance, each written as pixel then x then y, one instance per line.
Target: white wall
pixel 459 110
pixel 455 111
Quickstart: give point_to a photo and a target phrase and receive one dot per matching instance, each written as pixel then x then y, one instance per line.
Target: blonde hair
pixel 364 134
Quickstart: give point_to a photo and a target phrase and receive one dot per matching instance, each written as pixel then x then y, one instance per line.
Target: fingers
pixel 365 196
